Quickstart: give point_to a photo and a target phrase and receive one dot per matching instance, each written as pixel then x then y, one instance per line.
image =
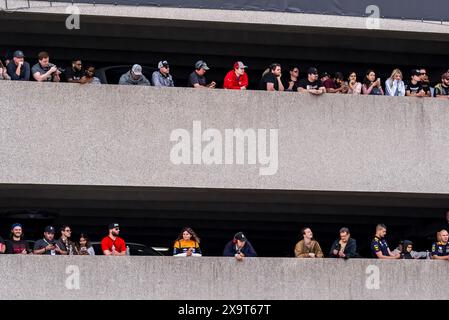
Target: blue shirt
pixel 379 245
pixel 440 249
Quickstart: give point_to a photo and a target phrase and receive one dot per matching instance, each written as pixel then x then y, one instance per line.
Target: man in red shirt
pixel 237 78
pixel 113 245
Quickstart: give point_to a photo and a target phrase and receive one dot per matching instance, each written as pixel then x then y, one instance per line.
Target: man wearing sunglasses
pixel 425 83
pixel 162 77
pixel 113 245
pixel 67 247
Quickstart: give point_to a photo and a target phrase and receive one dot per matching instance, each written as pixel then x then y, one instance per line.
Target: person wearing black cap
pixel 112 244
pixel 17 245
pixel 19 69
pixel 162 77
pixel 312 84
pixel 47 244
pixel 239 247
pixel 197 78
pixel 414 87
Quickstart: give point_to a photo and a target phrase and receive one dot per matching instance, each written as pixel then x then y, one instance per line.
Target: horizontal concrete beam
pixel 270 20
pixel 120 136
pixel 219 278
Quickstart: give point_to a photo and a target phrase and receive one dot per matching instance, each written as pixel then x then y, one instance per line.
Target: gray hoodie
pixel 127 79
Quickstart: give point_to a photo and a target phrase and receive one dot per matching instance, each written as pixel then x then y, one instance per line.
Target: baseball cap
pixel 200 64
pixel 113 226
pixel 137 69
pixel 240 236
pixel 416 72
pixel 239 64
pixel 49 229
pixel 16 225
pixel 162 64
pixel 324 74
pixel 445 76
pixel 312 70
pixel 18 54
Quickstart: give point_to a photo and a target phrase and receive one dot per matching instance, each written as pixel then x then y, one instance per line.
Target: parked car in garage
pixel 135 249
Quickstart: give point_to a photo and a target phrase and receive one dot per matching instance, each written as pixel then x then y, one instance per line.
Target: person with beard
pixel 75 72
pixel 112 244
pixel 17 245
pixel 308 247
pixel 379 246
pixel 47 244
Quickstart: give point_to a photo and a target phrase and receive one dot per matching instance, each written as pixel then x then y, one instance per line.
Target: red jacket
pixel 231 81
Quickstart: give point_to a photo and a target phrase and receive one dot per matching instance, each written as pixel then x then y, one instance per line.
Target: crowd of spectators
pixel 417 85
pixel 187 244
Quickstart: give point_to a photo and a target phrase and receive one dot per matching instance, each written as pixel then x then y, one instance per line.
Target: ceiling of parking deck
pixel 110 41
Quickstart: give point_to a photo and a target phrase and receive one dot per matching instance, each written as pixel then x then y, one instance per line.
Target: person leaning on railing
pixel 308 247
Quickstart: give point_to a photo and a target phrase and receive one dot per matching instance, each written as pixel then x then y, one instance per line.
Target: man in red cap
pixel 237 78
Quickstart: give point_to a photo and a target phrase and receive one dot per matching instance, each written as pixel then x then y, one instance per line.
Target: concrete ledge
pixel 109 135
pixel 45 277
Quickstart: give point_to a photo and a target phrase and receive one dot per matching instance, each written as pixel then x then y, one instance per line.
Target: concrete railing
pixel 120 135
pixel 46 277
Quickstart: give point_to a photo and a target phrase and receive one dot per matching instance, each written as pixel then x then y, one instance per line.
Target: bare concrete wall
pixel 46 277
pixel 120 135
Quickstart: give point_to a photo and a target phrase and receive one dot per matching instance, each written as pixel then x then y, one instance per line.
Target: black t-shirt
pixel 41 244
pixel 413 88
pixel 17 247
pixel 425 86
pixel 287 84
pixel 306 84
pixel 73 74
pixel 195 78
pixel 269 78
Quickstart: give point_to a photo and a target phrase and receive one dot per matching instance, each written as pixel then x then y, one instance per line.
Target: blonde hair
pixel 395 71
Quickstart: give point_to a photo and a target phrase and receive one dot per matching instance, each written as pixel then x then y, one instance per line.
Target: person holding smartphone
pixel 47 245
pixel 371 85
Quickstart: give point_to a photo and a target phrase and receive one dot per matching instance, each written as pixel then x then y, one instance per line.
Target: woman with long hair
pixel 187 244
pixel 84 247
pixel 354 86
pixel 372 86
pixel 394 85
